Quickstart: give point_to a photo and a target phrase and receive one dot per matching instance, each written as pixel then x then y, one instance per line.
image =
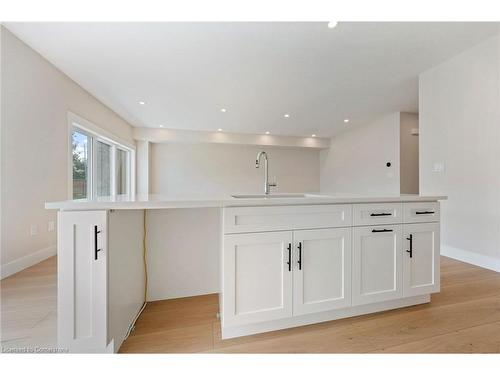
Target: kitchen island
pixel 284 261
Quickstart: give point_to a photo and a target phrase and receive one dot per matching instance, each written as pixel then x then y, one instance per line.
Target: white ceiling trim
pixel 195 136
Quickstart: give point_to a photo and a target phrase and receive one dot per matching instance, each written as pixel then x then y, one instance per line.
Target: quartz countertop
pixel 158 201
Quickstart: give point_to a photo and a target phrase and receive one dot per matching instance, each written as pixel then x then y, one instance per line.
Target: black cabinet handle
pixel 289 257
pixel 96 250
pixel 424 212
pixel 300 256
pixel 411 245
pixel 381 230
pixel 381 214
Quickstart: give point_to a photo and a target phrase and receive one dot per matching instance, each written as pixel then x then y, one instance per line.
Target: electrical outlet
pixel 438 167
pixel 34 229
pixel 51 226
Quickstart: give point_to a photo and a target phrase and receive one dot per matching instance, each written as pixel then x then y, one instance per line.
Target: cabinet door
pixel 377 264
pixel 257 279
pixel 421 265
pixel 322 270
pixel 82 281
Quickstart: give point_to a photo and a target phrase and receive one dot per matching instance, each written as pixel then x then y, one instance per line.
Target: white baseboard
pixel 27 261
pixel 467 256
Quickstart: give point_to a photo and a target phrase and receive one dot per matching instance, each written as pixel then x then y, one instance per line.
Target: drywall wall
pixel 356 161
pixel 179 169
pixel 36 98
pixel 183 262
pixel 408 153
pixel 460 153
pixel 143 162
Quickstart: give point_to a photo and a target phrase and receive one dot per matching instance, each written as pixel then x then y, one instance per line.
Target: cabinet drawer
pixel 264 219
pixel 421 212
pixel 378 213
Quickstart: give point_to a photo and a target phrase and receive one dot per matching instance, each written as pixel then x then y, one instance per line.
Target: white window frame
pixel 96 133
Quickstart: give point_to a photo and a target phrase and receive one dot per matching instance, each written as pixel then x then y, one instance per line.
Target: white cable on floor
pixel 144 254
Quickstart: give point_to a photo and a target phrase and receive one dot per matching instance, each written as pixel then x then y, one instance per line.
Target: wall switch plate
pixel 34 229
pixel 51 226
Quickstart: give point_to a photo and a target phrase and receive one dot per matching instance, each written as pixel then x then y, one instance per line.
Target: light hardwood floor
pixel 29 307
pixel 463 318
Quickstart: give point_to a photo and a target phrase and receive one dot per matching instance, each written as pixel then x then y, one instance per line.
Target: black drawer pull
pixel 96 250
pixel 411 245
pixel 300 256
pixel 424 212
pixel 289 257
pixel 381 214
pixel 381 230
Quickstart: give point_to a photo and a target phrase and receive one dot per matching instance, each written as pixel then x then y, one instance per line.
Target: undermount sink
pixel 249 196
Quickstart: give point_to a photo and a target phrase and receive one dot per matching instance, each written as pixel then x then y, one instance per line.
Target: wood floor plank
pixel 28 306
pixel 466 276
pixel 480 339
pixel 192 339
pixel 463 318
pixel 179 312
pixel 390 329
pixel 457 293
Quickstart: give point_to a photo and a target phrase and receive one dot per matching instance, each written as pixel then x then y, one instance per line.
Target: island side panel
pixel 126 275
pixel 82 263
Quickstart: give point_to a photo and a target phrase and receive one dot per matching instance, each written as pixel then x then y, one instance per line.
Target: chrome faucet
pixel 267 184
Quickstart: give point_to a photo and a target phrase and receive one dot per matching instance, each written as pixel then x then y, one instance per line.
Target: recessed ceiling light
pixel 161 126
pixel 332 24
pixel 314 135
pixel 286 115
pixel 219 130
pixel 223 110
pixel 267 133
pixel 142 103
pixel 346 120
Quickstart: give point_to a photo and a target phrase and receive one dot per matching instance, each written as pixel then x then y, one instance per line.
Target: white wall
pixel 460 129
pixel 183 252
pixel 356 161
pixel 143 162
pixel 179 169
pixel 408 153
pixel 36 97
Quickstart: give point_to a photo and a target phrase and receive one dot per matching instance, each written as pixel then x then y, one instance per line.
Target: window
pixel 102 169
pixel 100 166
pixel 121 171
pixel 80 148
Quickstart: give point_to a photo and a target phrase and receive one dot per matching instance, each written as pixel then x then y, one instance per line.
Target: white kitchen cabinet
pixel 377 213
pixel 421 212
pixel 321 270
pixel 377 264
pixel 279 218
pixel 257 277
pixel 421 259
pixel 82 281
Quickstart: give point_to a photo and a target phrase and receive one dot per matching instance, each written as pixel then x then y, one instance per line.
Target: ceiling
pixel 187 72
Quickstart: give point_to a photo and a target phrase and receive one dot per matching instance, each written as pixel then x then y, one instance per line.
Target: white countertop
pixel 156 201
